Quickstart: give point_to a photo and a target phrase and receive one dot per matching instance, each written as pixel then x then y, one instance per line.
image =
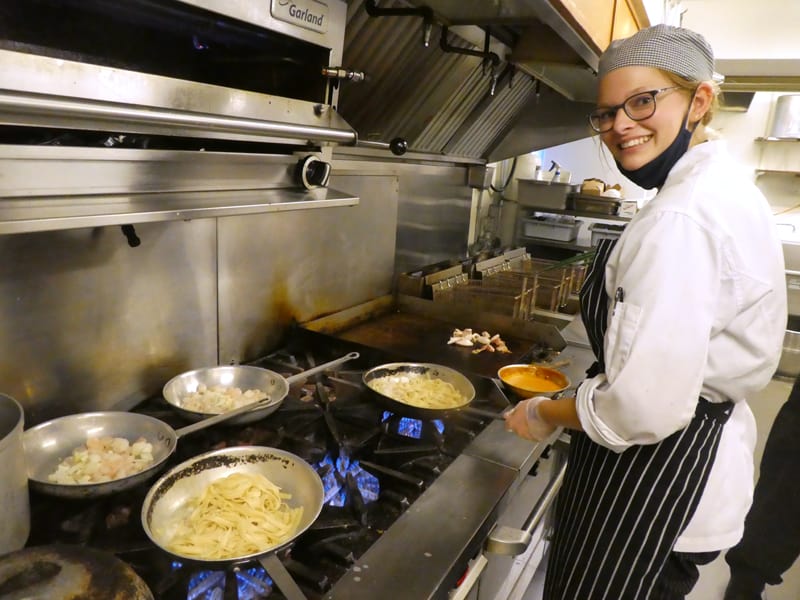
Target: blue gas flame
pixel 336 491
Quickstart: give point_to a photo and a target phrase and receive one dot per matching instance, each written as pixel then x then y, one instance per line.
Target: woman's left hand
pixel 524 420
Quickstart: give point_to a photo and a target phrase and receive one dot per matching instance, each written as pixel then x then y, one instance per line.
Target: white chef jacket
pixel 703 313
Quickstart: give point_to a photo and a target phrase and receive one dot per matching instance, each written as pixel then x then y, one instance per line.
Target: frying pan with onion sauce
pixel 402 370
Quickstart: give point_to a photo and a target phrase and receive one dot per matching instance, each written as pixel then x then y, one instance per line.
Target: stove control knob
pixel 398 146
pixel 313 172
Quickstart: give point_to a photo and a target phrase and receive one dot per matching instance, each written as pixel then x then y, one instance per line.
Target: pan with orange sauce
pixel 531 380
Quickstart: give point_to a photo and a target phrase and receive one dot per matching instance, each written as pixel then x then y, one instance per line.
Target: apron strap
pixel 594 303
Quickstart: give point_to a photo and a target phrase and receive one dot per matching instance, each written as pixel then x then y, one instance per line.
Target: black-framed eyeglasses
pixel 638 107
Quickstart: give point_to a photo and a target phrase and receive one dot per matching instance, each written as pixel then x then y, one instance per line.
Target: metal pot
pixel 16 522
pixel 68 571
pixel 786 121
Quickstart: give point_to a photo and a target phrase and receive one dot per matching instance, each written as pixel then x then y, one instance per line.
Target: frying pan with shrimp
pixel 48 444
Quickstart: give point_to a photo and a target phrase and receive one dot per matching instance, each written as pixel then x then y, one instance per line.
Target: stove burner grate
pixel 252 583
pixel 374 466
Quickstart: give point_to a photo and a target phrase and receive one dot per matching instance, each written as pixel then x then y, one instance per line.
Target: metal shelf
pixel 47 188
pixel 776 172
pixel 577 213
pixel 54 213
pixel 779 156
pixel 553 243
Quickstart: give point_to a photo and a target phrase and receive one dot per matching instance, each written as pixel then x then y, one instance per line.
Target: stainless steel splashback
pixel 91 323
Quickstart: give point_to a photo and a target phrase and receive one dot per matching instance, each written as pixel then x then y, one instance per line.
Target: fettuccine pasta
pixel 418 389
pixel 238 515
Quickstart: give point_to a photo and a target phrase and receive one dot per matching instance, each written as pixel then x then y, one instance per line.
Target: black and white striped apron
pixel 618 515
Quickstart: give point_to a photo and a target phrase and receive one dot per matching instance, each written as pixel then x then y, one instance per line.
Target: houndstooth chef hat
pixel 674 49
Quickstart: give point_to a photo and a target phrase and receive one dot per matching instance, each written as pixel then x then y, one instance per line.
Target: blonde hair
pixel 690 86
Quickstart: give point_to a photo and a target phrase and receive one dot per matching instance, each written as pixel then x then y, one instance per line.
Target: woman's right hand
pixel 524 420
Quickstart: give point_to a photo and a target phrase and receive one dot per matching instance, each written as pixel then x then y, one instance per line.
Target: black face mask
pixel 654 174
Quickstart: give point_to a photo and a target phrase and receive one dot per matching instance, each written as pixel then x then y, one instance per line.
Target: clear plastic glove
pixel 524 420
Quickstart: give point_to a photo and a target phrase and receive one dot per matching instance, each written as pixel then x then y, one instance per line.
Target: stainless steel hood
pixel 497 79
pixel 541 40
pixel 745 77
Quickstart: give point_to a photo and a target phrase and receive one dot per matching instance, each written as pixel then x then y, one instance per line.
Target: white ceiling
pixel 750 37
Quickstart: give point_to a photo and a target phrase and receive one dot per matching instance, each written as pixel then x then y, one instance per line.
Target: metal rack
pixel 515 287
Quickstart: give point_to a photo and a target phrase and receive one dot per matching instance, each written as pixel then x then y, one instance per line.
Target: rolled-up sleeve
pixel 656 343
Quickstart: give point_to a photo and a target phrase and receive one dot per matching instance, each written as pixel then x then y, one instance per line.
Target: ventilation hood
pixel 541 38
pixel 481 79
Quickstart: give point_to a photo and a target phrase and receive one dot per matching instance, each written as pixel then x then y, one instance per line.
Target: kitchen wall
pixel 434 207
pixel 90 323
pixel 588 158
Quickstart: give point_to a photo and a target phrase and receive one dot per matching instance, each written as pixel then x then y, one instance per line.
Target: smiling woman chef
pixel 685 314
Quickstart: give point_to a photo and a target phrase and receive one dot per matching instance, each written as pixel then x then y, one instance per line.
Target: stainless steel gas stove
pixel 408 504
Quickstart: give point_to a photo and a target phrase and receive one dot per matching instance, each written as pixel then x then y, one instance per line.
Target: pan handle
pixel 486 414
pixel 268 401
pixel 324 366
pixel 282 578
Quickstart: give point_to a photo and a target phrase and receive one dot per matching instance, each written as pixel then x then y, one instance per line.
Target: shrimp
pixel 104 459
